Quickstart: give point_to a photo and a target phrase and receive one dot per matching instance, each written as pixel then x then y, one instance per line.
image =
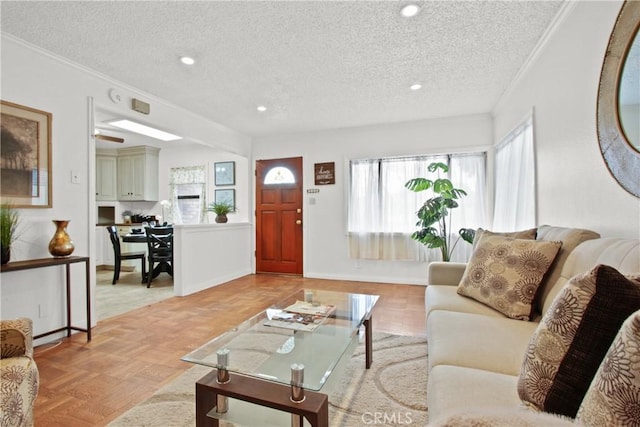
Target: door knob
pixel 298 222
pixel 298 210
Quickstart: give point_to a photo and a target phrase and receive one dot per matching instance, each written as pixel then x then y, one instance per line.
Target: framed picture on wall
pixel 226 196
pixel 25 148
pixel 225 173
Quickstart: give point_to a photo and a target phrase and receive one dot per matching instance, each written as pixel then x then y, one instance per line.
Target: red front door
pixel 279 216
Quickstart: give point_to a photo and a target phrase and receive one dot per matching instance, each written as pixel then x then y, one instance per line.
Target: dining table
pixel 163 266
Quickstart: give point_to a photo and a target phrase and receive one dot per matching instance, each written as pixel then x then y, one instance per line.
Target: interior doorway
pixel 279 216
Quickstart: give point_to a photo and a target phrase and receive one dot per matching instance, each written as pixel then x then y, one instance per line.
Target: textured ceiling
pixel 314 64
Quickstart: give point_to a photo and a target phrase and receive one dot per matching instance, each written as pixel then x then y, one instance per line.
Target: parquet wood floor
pixel 134 354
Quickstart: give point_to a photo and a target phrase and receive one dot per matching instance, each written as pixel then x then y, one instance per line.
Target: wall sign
pixel 325 173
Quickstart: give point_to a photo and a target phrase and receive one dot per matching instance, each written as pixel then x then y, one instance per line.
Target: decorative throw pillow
pixel 504 273
pixel 573 337
pixel 613 399
pixel 529 234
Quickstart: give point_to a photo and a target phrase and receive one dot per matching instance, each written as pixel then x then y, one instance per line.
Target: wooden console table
pixel 50 262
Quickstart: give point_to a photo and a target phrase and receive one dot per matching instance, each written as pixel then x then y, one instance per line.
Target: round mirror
pixel 629 94
pixel 618 99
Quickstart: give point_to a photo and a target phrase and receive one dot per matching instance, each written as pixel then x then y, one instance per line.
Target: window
pixel 515 199
pixel 188 199
pixel 186 189
pixel 382 211
pixel 279 175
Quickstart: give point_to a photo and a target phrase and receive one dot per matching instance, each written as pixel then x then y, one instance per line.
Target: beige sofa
pixel 475 352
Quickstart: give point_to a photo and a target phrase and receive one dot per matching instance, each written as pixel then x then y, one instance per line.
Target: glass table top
pixel 311 327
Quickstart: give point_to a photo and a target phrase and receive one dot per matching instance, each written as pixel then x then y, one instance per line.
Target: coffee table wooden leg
pixel 368 341
pixel 205 401
pixel 315 407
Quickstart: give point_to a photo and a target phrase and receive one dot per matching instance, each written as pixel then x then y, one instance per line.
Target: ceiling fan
pixel 108 138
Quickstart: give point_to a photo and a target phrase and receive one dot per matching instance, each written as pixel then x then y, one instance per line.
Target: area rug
pixel 392 392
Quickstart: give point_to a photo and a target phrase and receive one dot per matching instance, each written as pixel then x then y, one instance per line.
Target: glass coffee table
pixel 282 357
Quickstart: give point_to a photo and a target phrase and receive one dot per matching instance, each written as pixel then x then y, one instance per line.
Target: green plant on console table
pixel 9 221
pixel 434 216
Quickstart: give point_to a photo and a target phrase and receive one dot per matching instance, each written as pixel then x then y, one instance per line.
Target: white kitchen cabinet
pixel 138 173
pixel 106 177
pixel 104 248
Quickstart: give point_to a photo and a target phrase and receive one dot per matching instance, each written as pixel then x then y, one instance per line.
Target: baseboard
pixel 374 279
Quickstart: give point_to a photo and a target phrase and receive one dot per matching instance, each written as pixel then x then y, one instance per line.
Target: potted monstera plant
pixel 434 216
pixel 9 221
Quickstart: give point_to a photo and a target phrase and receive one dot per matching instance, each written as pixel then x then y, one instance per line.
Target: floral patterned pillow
pixel 529 234
pixel 573 337
pixel 613 399
pixel 504 273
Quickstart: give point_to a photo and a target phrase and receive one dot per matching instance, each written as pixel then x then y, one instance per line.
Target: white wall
pixel 574 187
pixel 197 155
pixel 324 223
pixel 210 254
pixel 36 79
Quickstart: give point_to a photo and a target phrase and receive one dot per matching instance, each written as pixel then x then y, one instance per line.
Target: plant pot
pixel 61 244
pixel 6 254
pixel 221 219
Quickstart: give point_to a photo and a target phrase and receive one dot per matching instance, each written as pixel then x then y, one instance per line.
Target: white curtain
pixel 515 192
pixel 382 212
pixel 186 175
pixel 468 172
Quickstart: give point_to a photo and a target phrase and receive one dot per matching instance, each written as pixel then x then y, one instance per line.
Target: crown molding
pixel 124 86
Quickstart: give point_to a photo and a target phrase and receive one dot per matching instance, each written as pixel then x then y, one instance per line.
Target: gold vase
pixel 61 244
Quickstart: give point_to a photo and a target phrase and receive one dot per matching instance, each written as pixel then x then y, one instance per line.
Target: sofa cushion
pixel 493 416
pixel 504 273
pixel 570 238
pixel 446 298
pixel 529 234
pixel 452 389
pixel 571 340
pixel 621 254
pixel 613 398
pixel 496 344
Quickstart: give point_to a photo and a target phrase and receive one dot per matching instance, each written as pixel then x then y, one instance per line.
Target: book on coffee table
pixel 300 316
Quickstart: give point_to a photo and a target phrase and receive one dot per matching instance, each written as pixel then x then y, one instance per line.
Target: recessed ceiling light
pixel 187 60
pixel 416 86
pixel 262 108
pixel 410 10
pixel 144 130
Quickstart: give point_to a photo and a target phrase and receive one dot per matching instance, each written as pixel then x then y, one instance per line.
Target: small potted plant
pixel 221 209
pixel 9 221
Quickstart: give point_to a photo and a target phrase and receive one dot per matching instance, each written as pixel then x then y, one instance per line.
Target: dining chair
pixel 160 251
pixel 119 255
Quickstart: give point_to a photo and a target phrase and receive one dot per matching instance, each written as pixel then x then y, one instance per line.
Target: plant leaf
pixel 419 184
pixel 441 186
pixel 428 237
pixel 433 167
pixel 467 234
